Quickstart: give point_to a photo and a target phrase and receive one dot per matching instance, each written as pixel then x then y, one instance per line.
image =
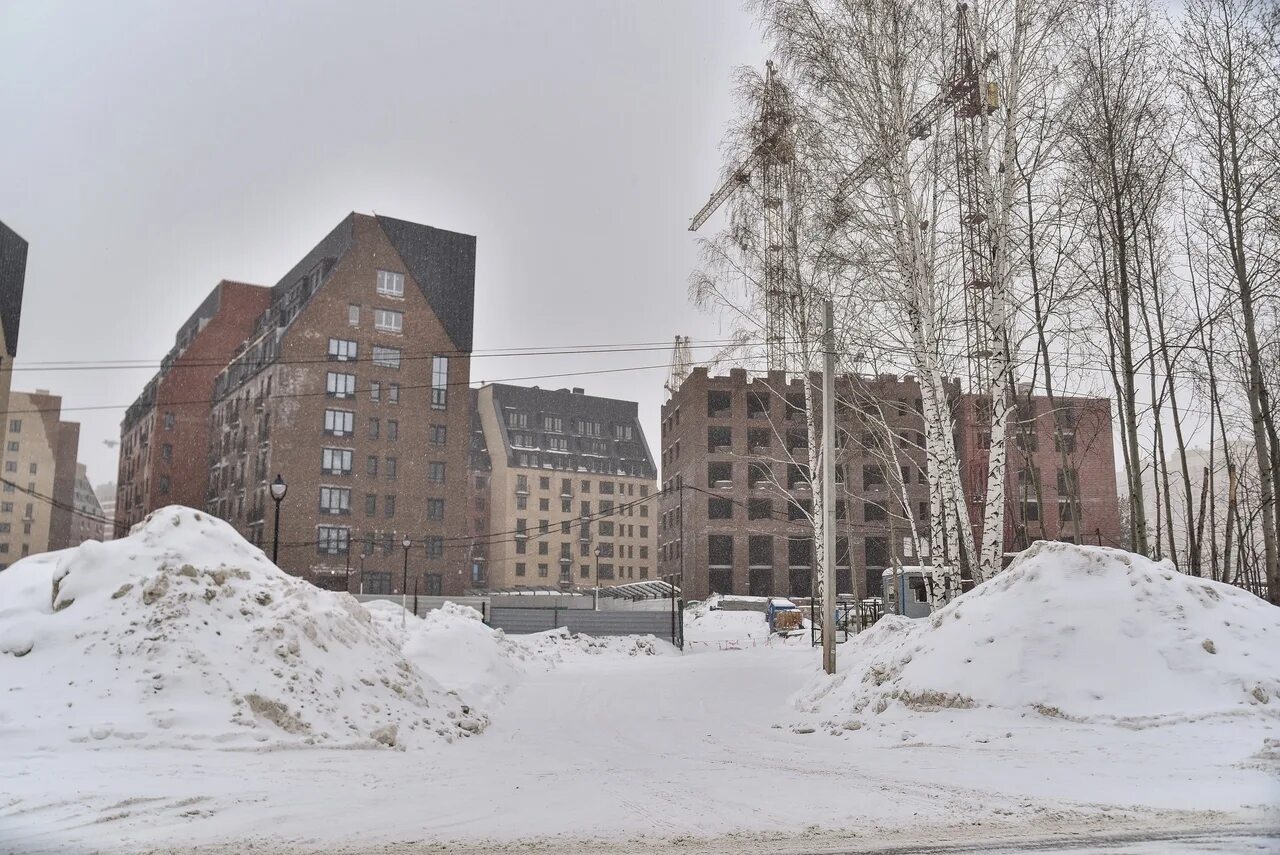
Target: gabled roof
pixel 443 263
pixel 13 272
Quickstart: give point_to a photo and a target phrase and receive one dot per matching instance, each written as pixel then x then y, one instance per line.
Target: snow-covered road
pixel 623 754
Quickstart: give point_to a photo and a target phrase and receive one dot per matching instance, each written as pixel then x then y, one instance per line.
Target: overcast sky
pixel 149 150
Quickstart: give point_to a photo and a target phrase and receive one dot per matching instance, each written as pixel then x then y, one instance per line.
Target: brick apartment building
pixel 1061 481
pixel 37 496
pixel 735 455
pixel 572 489
pixel 13 272
pixel 479 471
pixel 164 436
pixel 354 388
pixel 735 465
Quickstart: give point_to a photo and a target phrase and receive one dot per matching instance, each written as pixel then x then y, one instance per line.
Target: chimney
pixel 578 390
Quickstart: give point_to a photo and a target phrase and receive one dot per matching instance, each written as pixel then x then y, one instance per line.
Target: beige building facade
pixel 37 493
pixel 572 490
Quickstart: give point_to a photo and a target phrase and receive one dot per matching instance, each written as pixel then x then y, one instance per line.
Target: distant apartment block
pixel 88 522
pixel 106 494
pixel 353 386
pixel 37 493
pixel 735 467
pixel 164 437
pixel 572 495
pixel 1061 482
pixel 13 271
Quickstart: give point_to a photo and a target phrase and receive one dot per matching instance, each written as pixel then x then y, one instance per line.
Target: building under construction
pixel 737 497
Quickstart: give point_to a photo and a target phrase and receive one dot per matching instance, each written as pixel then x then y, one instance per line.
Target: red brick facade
pixel 369 425
pixel 164 438
pixel 1040 503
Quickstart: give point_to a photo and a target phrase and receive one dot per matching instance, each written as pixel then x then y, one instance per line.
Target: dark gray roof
pixel 334 246
pixel 443 263
pixel 571 405
pixel 13 272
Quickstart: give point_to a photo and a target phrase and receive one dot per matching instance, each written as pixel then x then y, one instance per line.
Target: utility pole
pixel 828 489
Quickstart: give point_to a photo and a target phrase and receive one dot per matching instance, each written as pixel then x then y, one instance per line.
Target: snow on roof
pixel 1081 632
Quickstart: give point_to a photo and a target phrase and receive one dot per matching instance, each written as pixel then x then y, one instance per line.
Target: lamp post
pixel 404 582
pixel 595 592
pixel 278 489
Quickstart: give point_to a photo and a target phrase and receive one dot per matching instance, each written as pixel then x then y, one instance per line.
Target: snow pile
pixel 453 645
pixel 184 634
pixel 705 623
pixel 560 645
pixel 1083 633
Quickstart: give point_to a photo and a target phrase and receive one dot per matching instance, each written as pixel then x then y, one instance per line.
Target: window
pixel 164 484
pixel 15 425
pixel 375 428
pixel 586 486
pixel 517 420
pixel 371 501
pixel 557 443
pixel 386 357
pixel 871 512
pixel 335 500
pixel 339 385
pixel 719 509
pixel 605 528
pixel 393 429
pixel 622 431
pixel 435 546
pixel 331 541
pixel 435 472
pixel 336 461
pixel 542 570
pixel 759 509
pixel 377 583
pixel 542 547
pixel 566 506
pixel 393 393
pixel 389 506
pixel 388 320
pixel 375 391
pixel 544 504
pixel 606 488
pixel 552 423
pixel 439 382
pixel 341 349
pixel 522 483
pixel 438 434
pixel 11 466
pixel 353 315
pixel 872 476
pixel 339 422
pixel 391 468
pixel 522 502
pixel 544 483
pixel 435 509
pixel 519 568
pixel 371 465
pixel 6 507
pixel 169 421
pixel 13 446
pixel 390 284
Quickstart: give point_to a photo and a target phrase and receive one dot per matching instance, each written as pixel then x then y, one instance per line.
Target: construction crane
pixel 681 362
pixel 971 163
pixel 775 150
pixel 770 158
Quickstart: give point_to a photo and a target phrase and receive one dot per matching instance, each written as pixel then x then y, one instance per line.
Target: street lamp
pixel 278 489
pixel 595 593
pixel 404 581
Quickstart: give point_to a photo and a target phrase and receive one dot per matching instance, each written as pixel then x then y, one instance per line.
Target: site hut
pixel 572 489
pixel 353 388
